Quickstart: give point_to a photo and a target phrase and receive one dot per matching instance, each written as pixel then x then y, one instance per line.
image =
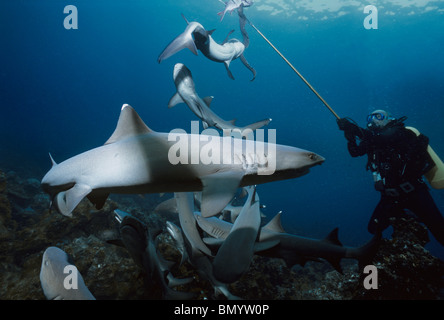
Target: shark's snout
pixel 178 67
pixel 180 72
pixel 315 158
pixel 54 190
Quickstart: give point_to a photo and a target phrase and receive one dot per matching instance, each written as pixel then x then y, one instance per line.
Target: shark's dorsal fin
pixel 183 16
pixel 333 237
pixel 208 100
pixel 52 160
pixel 129 124
pixel 275 224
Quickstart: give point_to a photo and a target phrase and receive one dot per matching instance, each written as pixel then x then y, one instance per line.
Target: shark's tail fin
pixel 367 252
pixel 370 249
pixel 184 40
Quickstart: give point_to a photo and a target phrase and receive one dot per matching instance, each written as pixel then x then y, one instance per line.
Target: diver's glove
pixel 379 186
pixel 351 130
pixel 345 124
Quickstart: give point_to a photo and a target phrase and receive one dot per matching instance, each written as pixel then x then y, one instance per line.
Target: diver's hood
pixel 378 119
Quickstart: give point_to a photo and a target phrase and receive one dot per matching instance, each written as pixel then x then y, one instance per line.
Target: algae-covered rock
pixel 406 270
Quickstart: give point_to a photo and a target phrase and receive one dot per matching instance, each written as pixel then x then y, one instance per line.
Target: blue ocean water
pixel 61 90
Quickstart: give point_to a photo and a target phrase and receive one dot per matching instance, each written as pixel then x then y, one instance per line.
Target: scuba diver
pixel 397 158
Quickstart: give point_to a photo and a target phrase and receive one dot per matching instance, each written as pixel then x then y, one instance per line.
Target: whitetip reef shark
pixel 136 160
pixel 53 275
pixel 293 249
pixel 186 93
pixel 229 50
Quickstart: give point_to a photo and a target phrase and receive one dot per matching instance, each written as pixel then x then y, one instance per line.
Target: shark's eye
pixel 312 156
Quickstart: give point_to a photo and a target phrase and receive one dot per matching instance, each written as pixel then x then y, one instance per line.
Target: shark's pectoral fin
pixel 265 245
pixel 176 99
pixel 218 190
pixel 245 62
pixel 66 201
pixel 332 238
pixel 227 38
pixel 98 200
pixel 213 242
pixel 227 66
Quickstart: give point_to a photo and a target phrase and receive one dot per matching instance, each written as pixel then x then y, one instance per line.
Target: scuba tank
pixel 435 176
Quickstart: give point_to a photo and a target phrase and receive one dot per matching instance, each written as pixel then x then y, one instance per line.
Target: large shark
pixel 229 50
pixel 186 93
pixel 138 160
pixel 293 249
pixel 57 281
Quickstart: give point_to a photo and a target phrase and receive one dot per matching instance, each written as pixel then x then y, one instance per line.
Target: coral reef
pixel 27 227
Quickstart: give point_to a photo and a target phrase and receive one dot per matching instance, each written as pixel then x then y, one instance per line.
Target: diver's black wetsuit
pixel 398 158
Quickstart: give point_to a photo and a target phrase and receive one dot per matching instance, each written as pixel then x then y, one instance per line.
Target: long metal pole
pixel 297 72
